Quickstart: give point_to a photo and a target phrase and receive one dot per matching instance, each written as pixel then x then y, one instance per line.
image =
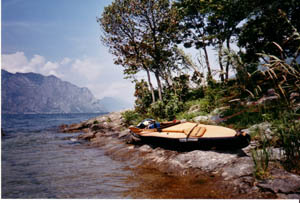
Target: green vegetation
pixel 288 132
pixel 261 159
pixel 144 36
pixel 131 117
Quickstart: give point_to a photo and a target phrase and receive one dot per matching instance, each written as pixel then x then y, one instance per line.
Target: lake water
pixel 40 162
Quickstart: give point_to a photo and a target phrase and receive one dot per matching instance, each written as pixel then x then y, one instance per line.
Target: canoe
pixel 190 134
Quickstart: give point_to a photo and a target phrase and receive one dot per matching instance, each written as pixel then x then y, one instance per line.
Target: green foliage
pixel 261 156
pixel 143 97
pixel 157 110
pixel 181 86
pixel 269 22
pixel 243 116
pixel 131 118
pixel 108 120
pixel 195 93
pixel 139 34
pixel 167 109
pixel 261 159
pixel 172 107
pixel 288 132
pixel 96 122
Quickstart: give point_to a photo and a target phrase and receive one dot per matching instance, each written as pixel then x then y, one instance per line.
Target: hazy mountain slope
pixel 35 93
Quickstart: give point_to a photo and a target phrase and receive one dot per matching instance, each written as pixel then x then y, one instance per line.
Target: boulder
pixel 281 182
pixel 242 167
pixel 264 128
pixel 76 127
pixel 87 136
pixel 208 161
pixel 124 133
pixel 97 127
pixel 204 119
pixel 145 148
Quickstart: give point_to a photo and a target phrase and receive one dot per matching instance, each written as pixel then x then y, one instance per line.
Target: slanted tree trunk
pixel 227 64
pixel 150 84
pixel 220 61
pixel 158 85
pixel 207 63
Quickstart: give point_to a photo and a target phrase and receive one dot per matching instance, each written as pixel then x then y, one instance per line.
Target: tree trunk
pixel 158 85
pixel 220 61
pixel 207 62
pixel 227 64
pixel 150 84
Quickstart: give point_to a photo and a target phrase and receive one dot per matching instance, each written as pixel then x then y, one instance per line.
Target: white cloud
pixel 37 60
pixel 16 62
pixel 89 68
pixel 99 75
pixel 50 68
pixel 65 61
pixel 116 89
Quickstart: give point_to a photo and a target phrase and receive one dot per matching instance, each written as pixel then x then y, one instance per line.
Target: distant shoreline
pixel 102 113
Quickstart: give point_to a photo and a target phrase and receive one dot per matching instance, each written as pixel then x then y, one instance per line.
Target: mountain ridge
pixel 35 93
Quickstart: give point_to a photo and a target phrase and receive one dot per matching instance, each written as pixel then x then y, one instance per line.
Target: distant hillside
pixel 35 93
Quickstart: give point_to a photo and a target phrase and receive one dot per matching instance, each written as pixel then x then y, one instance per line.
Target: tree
pixel 193 14
pixel 269 21
pixel 139 34
pixel 223 20
pixel 122 35
pixel 159 22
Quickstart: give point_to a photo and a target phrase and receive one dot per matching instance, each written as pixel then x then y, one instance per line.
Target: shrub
pixel 131 118
pixel 157 110
pixel 108 120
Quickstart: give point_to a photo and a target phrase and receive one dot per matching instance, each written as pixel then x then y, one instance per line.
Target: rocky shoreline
pixel 233 169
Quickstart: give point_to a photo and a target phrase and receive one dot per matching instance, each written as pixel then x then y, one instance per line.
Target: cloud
pixel 16 62
pixel 65 61
pixel 99 75
pixel 116 89
pixel 89 68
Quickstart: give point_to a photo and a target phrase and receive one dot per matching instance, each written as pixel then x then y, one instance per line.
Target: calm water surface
pixel 39 162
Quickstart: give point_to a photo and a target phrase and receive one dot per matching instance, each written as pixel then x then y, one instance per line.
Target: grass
pixel 261 155
pixel 288 133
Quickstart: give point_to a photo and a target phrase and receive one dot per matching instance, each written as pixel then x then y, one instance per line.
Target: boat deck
pixel 191 130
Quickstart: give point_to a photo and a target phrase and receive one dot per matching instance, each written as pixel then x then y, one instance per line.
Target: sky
pixel 61 38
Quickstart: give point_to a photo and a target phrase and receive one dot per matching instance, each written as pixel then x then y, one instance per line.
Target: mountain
pixel 35 93
pixel 113 104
